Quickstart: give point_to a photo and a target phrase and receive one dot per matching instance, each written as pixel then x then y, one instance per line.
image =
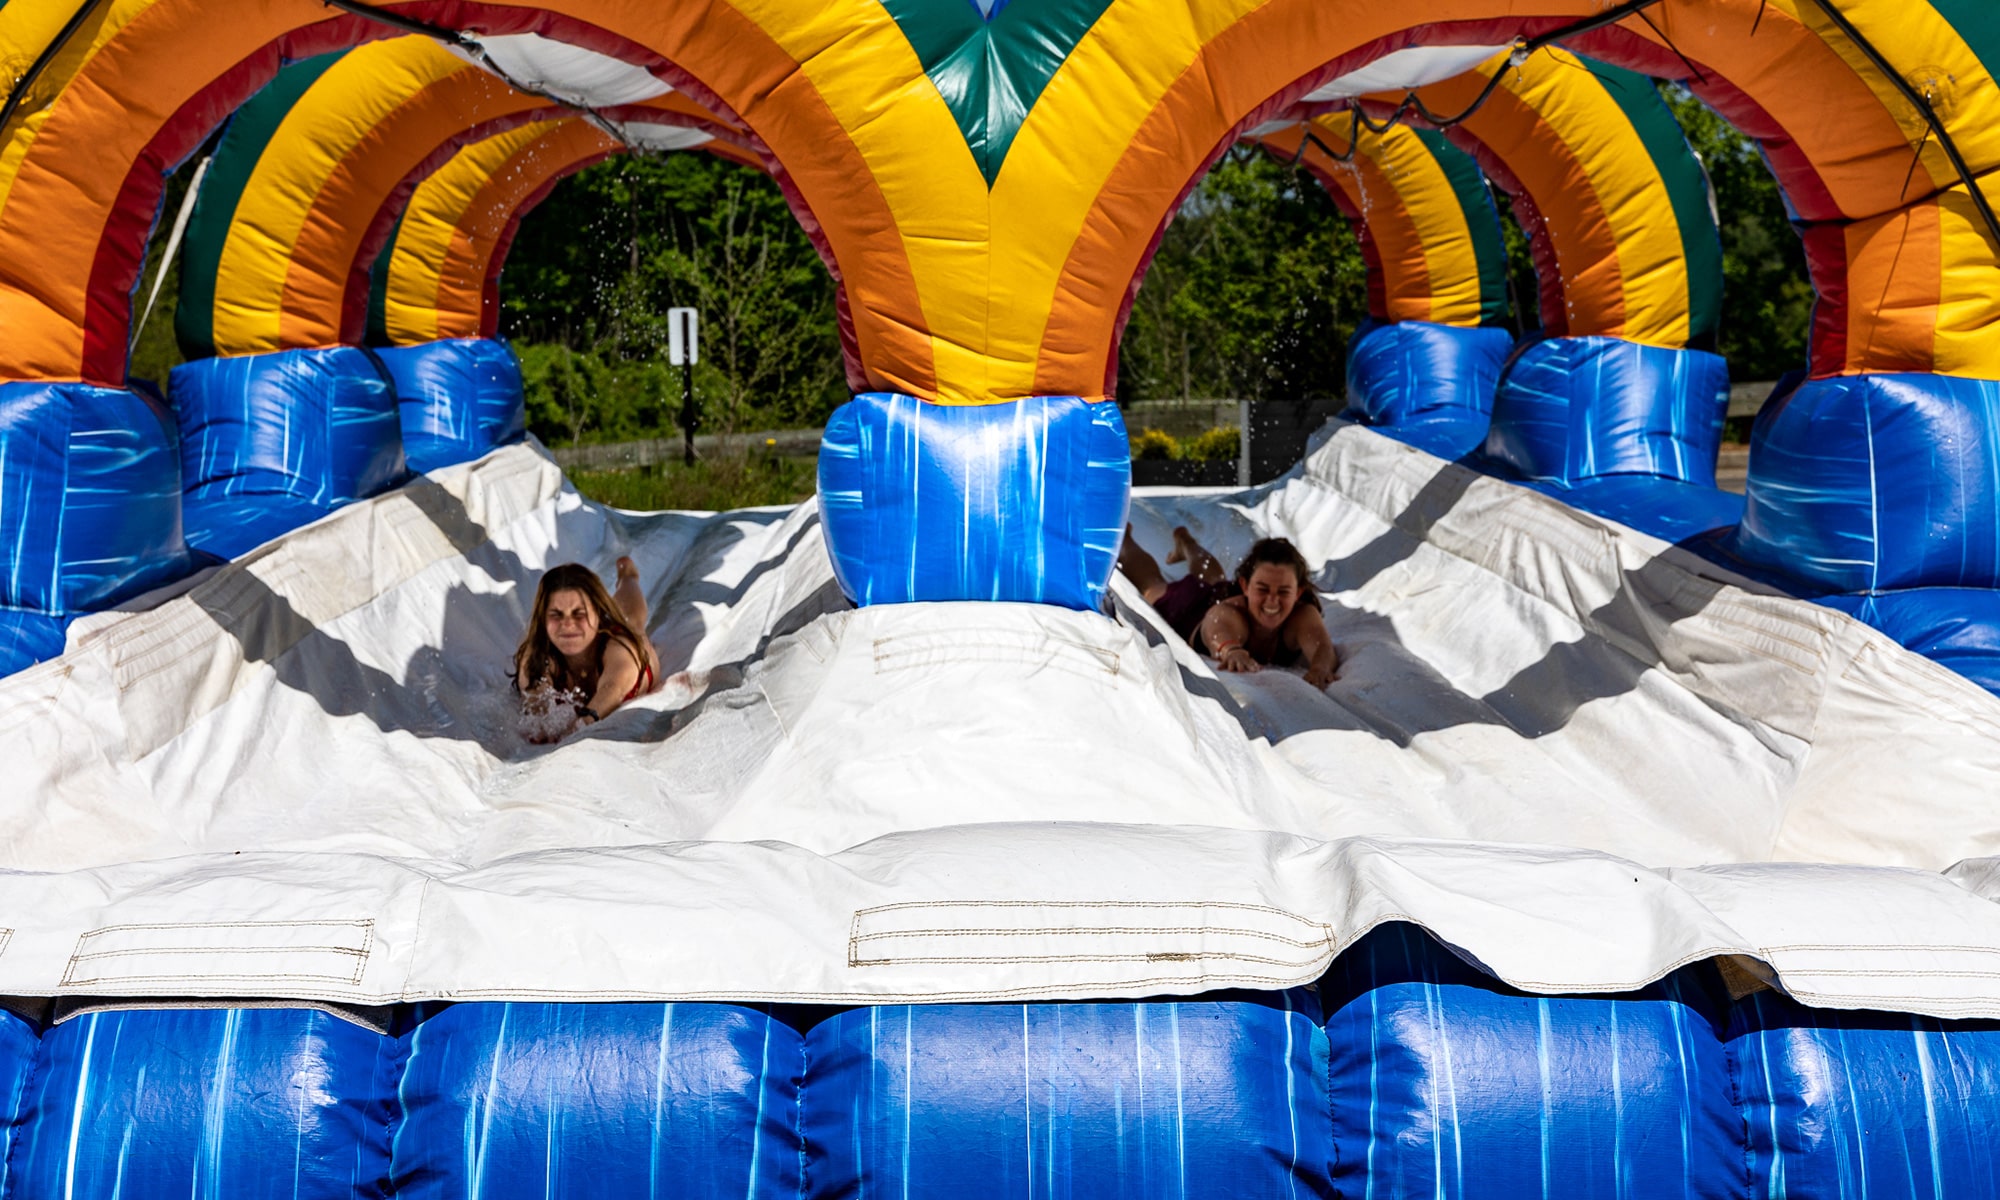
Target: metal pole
pixel 690 416
pixel 1243 443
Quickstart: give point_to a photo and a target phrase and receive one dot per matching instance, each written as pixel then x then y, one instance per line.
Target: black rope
pixel 1923 106
pixel 42 61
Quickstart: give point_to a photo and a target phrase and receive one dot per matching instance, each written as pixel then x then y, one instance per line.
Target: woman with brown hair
pixel 583 650
pixel 1268 615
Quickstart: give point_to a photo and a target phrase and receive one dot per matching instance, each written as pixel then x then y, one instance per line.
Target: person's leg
pixel 1142 569
pixel 631 601
pixel 1201 564
pixel 629 596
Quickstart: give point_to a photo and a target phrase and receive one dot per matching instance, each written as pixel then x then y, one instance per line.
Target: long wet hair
pixel 1277 552
pixel 537 661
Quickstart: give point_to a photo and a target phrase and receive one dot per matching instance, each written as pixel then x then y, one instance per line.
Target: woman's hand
pixel 1237 660
pixel 1319 674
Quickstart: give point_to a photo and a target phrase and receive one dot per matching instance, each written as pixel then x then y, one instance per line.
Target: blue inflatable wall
pixel 1429 385
pixel 1448 1084
pixel 1216 1099
pixel 459 399
pixel 1842 1105
pixel 1425 1077
pixel 89 508
pixel 686 1100
pixel 1627 431
pixel 1022 501
pixel 1880 495
pixel 270 442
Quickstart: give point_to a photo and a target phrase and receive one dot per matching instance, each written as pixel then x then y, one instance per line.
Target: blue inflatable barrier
pixel 1571 409
pixel 18 1045
pixel 1879 495
pixel 258 1104
pixel 1426 1078
pixel 1205 1099
pixel 1446 1083
pixel 1428 385
pixel 1023 501
pixel 270 442
pixel 1956 627
pixel 1666 508
pixel 459 398
pixel 693 1101
pixel 1875 483
pixel 89 508
pixel 1841 1105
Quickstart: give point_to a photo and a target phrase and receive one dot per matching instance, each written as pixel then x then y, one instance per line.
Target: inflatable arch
pixel 1664 1003
pixel 1427 362
pixel 1621 402
pixel 275 284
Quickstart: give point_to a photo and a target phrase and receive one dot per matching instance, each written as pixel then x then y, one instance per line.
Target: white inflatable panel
pixel 578 75
pixel 1573 753
pixel 1405 70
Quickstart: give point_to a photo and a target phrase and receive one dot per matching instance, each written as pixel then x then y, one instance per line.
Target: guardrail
pixel 1744 401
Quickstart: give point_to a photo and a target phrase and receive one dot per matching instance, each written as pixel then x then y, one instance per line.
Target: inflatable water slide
pixel 1646 844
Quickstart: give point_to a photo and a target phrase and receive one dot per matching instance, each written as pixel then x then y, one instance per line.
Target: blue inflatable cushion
pixel 1447 1083
pixel 1571 409
pixel 1021 501
pixel 1428 385
pixel 89 508
pixel 459 398
pixel 1848 1104
pixel 261 1104
pixel 1209 1100
pixel 310 430
pixel 1876 483
pixel 696 1101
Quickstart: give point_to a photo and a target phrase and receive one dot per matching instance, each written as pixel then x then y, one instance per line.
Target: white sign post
pixel 683 351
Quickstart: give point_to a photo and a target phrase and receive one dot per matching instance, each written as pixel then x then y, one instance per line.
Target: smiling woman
pixel 585 653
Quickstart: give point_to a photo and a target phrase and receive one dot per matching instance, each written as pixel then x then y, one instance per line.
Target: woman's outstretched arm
pixel 1225 632
pixel 1305 629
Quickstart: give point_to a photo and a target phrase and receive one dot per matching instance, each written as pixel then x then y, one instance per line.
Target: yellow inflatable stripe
pixel 1933 58
pixel 1088 114
pixel 862 66
pixel 1433 205
pixel 354 95
pixel 1651 261
pixel 1969 292
pixel 26 26
pixel 430 224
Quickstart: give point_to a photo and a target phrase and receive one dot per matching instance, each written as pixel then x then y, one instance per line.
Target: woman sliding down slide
pixel 1254 621
pixel 584 653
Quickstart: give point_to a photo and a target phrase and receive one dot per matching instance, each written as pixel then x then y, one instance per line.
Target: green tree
pixel 1767 296
pixel 1257 284
pixel 595 268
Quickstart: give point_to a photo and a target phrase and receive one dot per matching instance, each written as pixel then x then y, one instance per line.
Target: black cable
pixel 1412 103
pixel 1312 139
pixel 406 24
pixel 1923 106
pixel 43 60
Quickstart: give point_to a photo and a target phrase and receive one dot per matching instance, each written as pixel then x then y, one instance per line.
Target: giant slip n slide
pixel 865 894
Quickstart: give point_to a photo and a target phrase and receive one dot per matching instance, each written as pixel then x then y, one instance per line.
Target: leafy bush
pixel 1220 443
pixel 1155 444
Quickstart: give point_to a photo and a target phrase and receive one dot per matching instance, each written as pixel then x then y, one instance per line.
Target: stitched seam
pixel 974 931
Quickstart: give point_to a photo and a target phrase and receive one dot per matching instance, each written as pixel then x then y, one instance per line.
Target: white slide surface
pixel 1576 755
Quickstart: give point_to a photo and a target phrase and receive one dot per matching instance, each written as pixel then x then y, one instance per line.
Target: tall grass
pixel 710 485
